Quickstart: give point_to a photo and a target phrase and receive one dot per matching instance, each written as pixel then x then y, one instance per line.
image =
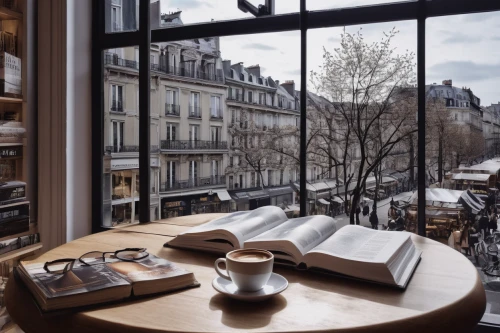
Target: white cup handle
pixel 220 271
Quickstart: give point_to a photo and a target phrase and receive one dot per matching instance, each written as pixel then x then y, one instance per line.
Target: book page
pixel 363 244
pixel 245 225
pixel 304 232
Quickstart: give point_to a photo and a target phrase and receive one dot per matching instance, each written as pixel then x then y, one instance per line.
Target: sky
pixel 464 48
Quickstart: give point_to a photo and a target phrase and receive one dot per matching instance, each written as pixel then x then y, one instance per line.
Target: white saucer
pixel 274 286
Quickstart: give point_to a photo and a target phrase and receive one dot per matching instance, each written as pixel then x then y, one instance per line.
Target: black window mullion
pixel 303 104
pixel 421 116
pixel 144 111
pixel 97 117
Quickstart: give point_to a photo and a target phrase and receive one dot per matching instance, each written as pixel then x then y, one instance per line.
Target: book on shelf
pixel 14 218
pixel 98 283
pixel 17 243
pixel 312 242
pixel 10 75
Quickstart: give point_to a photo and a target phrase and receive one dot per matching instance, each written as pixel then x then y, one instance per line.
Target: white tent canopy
pixel 482 177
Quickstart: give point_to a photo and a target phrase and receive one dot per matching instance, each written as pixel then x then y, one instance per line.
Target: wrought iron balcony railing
pixel 216 113
pixel 172 109
pixel 194 112
pixel 117 106
pixel 192 183
pixel 193 145
pixel 192 72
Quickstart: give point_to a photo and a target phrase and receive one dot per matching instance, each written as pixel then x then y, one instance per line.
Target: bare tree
pixel 367 82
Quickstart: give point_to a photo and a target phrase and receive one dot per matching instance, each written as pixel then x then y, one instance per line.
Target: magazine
pixel 312 242
pixel 102 282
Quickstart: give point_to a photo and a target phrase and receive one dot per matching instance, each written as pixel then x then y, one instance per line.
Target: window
pixel 270 177
pixel 116 98
pixel 282 172
pixel 262 98
pixel 171 129
pixel 252 179
pixel 215 168
pixel 116 16
pixel 171 165
pixel 250 97
pixel 117 135
pixel 194 106
pixel 215 133
pixel 171 105
pixel 215 107
pixel 260 80
pixel 194 132
pixel 250 78
pixel 242 77
pixel 193 172
pixel 241 182
pixel 231 161
pixel 231 186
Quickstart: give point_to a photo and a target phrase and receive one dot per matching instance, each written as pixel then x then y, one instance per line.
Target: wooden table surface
pixel 444 295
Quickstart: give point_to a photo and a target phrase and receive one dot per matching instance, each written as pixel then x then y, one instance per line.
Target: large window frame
pixel 302 21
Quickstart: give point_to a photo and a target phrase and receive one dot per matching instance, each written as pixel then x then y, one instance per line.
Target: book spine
pixel 14 219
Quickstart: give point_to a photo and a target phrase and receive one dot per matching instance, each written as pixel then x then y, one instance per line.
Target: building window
pixel 269 178
pixel 171 131
pixel 171 174
pixel 250 78
pixel 194 132
pixel 231 161
pixel 250 97
pixel 193 172
pixel 242 77
pixel 116 16
pixel 215 133
pixel 171 106
pixel 241 181
pixel 116 98
pixel 215 107
pixel 260 80
pixel 281 176
pixel 252 179
pixel 262 98
pixel 194 105
pixel 215 168
pixel 117 134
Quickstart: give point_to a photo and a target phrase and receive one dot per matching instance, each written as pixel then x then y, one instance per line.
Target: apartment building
pixel 259 107
pixel 188 129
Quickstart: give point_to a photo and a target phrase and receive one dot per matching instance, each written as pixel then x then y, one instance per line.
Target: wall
pixel 78 103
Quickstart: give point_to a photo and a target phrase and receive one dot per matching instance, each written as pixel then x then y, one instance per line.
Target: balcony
pixel 117 106
pixel 194 112
pixel 235 97
pixel 216 114
pixel 193 183
pixel 172 109
pixel 128 149
pixel 193 145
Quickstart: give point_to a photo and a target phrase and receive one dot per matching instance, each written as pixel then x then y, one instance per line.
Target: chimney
pixel 277 82
pixel 226 66
pixel 289 86
pixel 448 82
pixel 254 70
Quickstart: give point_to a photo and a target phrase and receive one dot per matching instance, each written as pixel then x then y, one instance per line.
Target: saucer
pixel 274 286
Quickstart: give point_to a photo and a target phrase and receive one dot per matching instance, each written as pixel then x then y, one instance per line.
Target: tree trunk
pixel 440 160
pixel 354 203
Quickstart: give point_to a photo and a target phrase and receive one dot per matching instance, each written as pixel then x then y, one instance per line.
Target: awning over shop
pixel 323 201
pixel 244 196
pixel 481 177
pixel 223 195
pixel 471 202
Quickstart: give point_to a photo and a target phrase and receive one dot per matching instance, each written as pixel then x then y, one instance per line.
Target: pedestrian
pixel 374 220
pixel 492 225
pixel 366 210
pixel 358 211
pixel 464 239
pixel 484 224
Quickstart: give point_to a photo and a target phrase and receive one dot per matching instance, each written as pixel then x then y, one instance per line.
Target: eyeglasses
pixel 61 266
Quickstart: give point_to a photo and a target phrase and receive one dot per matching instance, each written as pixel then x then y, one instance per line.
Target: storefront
pixel 478 183
pixel 195 202
pixel 249 199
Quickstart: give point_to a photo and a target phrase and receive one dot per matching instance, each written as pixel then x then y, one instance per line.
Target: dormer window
pixel 250 79
pixel 260 80
pixel 232 73
pixel 266 83
pixel 242 77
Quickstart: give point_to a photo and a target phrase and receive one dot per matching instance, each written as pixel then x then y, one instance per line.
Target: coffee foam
pixel 250 256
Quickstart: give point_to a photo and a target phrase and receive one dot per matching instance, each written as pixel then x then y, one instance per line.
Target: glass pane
pixel 121 137
pixel 121 15
pixel 168 13
pixel 331 4
pixel 362 125
pixel 463 137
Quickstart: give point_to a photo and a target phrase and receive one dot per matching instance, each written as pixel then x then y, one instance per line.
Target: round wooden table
pixel 444 295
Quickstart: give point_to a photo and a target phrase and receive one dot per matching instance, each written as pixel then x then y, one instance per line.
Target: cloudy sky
pixel 464 48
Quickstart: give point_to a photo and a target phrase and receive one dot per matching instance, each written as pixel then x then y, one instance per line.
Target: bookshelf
pixel 18 109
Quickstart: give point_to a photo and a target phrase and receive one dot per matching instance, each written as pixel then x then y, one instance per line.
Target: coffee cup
pixel 248 269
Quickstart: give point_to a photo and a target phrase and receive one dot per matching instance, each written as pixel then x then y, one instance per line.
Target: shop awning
pixel 481 177
pixel 471 202
pixel 323 201
pixel 223 195
pixel 275 191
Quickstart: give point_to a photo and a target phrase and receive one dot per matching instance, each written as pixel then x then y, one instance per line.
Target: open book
pixel 101 283
pixel 312 242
